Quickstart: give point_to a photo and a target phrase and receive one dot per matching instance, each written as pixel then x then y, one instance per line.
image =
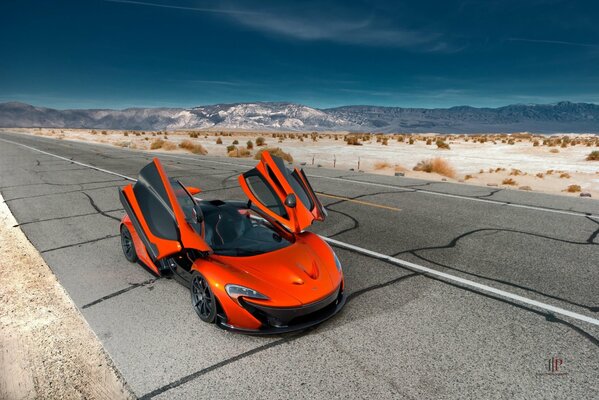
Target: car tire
pixel 127 245
pixel 202 298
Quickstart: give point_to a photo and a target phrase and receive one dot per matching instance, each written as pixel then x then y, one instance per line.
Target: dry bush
pixel 540 175
pixel 554 151
pixel 385 141
pixel 168 146
pixel 235 141
pixel 482 171
pixel 104 133
pixel 353 141
pixel 382 165
pixel 549 172
pixel 219 141
pixel 157 144
pixel 125 133
pixel 260 141
pixel 193 135
pixel 230 148
pixel 535 143
pixel 122 144
pixel 593 156
pixel 274 151
pixel 442 145
pixel 400 139
pixel 468 177
pixel 411 141
pixel 509 181
pixel 239 152
pixel 195 148
pixel 399 168
pixel 564 175
pixel 429 142
pixel 250 145
pixel 437 165
pixel 515 172
pixel 573 189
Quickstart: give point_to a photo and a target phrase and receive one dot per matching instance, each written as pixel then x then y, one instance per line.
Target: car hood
pixel 302 270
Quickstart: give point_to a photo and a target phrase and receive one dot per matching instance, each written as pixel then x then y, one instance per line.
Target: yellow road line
pixel 366 203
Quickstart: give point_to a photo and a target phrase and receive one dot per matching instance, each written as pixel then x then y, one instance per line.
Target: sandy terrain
pixel 47 350
pixel 552 166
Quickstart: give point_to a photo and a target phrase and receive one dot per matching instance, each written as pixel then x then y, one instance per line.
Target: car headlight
pixel 236 291
pixel 337 263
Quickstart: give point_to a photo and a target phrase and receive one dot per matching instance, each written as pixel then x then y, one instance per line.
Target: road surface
pixel 454 290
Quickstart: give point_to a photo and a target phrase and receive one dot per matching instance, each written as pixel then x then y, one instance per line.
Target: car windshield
pixel 237 231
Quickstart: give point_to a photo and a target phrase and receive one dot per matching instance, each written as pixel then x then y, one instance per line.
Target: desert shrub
pixel 239 152
pixel 235 141
pixel 275 151
pixel 429 141
pixel 353 141
pixel 573 189
pixel 554 151
pixel 193 135
pixel 230 148
pixel 385 141
pixel 540 175
pixel 157 144
pixel 437 165
pixel 260 141
pixel 250 145
pixel 195 148
pixel 104 133
pixel 168 146
pixel 400 138
pixel 442 145
pixel 593 156
pixel 515 172
pixel 535 143
pixel 564 175
pixel 382 165
pixel 411 141
pixel 219 141
pixel 509 181
pixel 125 133
pixel 468 177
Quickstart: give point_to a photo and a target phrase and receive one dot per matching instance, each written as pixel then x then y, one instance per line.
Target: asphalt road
pixel 403 334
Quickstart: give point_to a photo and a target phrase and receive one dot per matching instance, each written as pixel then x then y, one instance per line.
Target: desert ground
pixel 566 164
pixel 47 349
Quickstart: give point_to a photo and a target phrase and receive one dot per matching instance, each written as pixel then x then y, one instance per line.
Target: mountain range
pixel 561 117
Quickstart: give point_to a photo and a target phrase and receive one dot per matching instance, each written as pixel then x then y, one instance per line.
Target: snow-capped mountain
pixel 546 118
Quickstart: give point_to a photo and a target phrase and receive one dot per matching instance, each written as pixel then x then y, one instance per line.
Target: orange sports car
pixel 250 266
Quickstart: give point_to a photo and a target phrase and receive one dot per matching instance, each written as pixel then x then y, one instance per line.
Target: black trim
pixel 301 322
pixel 150 247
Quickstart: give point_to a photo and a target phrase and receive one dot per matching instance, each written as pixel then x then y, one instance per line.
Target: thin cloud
pixel 560 42
pixel 198 9
pixel 366 31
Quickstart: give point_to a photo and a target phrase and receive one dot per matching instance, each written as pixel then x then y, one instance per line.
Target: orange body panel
pixel 140 249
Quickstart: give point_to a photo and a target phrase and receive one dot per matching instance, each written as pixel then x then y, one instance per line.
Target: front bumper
pixel 277 320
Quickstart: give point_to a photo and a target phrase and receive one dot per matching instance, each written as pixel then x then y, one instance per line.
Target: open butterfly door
pixel 283 194
pixel 164 214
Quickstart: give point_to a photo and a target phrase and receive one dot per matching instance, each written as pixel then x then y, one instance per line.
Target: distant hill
pixel 541 118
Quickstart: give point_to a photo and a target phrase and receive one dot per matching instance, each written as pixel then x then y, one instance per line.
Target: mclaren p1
pixel 250 266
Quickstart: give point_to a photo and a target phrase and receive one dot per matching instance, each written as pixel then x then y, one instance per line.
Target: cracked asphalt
pixel 403 334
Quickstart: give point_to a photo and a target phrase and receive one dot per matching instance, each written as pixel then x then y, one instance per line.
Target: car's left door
pixel 164 214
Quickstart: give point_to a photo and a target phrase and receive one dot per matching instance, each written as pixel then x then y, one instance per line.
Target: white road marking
pixel 465 282
pixel 393 260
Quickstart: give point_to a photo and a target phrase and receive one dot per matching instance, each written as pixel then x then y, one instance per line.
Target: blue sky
pixel 155 53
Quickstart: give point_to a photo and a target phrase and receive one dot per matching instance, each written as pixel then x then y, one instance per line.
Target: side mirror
pixel 192 190
pixel 290 200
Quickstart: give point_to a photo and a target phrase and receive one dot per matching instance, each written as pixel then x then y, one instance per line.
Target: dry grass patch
pixel 239 152
pixel 275 151
pixel 564 175
pixel 169 146
pixel 509 181
pixel 195 148
pixel 554 151
pixel 157 144
pixel 593 156
pixel 437 165
pixel 382 165
pixel 573 189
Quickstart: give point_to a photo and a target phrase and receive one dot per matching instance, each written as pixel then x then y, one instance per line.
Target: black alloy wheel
pixel 127 245
pixel 202 298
